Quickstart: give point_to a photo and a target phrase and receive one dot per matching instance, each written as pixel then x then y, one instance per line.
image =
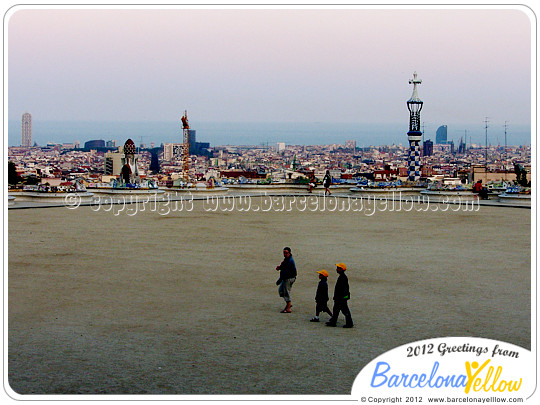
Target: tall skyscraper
pixel 192 134
pixel 26 130
pixel 414 104
pixel 441 136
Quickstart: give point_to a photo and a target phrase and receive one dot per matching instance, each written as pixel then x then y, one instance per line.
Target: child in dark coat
pixel 341 296
pixel 321 296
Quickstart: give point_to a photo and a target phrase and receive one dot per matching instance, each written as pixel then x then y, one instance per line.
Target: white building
pixel 114 162
pixel 172 150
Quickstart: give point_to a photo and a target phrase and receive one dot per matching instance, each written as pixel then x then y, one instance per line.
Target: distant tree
pixel 521 175
pixel 154 163
pixel 32 180
pixel 13 177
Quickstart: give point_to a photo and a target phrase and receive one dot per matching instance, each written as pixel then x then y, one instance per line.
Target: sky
pixel 270 65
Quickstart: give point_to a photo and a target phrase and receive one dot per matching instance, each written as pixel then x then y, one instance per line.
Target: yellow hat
pixel 324 273
pixel 341 266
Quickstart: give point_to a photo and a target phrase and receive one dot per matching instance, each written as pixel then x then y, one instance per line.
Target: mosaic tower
pixel 415 135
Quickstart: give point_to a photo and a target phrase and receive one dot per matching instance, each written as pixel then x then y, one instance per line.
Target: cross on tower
pixel 415 81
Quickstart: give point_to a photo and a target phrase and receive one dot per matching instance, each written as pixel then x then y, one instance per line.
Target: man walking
pixel 287 276
pixel 341 296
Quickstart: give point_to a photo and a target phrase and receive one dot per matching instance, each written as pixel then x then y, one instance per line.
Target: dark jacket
pixel 341 290
pixel 327 181
pixel 287 268
pixel 321 296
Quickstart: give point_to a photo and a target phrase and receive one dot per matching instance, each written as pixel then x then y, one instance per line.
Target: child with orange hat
pixel 321 296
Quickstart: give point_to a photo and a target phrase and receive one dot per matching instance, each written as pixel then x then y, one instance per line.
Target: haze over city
pixel 271 65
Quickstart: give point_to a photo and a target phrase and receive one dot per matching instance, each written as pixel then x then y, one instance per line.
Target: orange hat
pixel 324 273
pixel 341 266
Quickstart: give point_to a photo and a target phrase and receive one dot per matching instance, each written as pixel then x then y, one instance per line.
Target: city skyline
pixel 278 65
pixel 231 133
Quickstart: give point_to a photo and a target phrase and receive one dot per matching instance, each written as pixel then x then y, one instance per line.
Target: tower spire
pixel 414 104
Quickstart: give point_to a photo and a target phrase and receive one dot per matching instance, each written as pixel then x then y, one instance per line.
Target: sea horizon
pixel 259 133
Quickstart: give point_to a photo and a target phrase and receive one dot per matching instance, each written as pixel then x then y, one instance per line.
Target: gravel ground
pixel 186 303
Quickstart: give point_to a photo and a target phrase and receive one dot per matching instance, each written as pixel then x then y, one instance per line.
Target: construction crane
pixel 185 132
pixel 141 142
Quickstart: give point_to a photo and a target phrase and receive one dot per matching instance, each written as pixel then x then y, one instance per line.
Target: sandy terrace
pixel 186 303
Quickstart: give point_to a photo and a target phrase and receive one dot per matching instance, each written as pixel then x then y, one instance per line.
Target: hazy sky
pixel 270 65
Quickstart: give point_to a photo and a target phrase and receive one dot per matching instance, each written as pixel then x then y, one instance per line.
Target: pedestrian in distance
pixel 287 276
pixel 312 183
pixel 342 294
pixel 321 296
pixel 327 181
pixel 479 189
